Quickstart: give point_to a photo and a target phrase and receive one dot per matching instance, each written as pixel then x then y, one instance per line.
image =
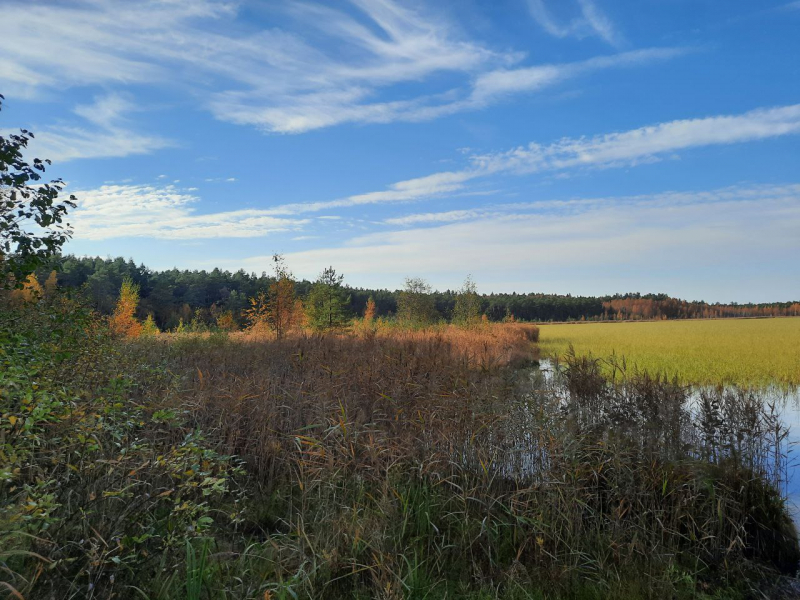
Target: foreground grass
pixel 386 465
pixel 739 351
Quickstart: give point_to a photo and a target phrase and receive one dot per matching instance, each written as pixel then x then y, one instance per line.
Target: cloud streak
pixel 280 79
pixel 108 134
pixel 591 22
pixel 621 149
pixel 117 211
pixel 645 144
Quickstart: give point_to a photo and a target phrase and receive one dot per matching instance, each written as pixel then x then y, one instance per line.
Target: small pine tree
pixel 123 322
pixel 149 327
pixel 327 303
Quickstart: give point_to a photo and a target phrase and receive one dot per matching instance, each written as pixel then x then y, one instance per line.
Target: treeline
pixel 660 306
pixel 174 296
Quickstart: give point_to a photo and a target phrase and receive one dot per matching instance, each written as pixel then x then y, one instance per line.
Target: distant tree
pixel 225 321
pixel 415 303
pixel 123 321
pixel 282 309
pixel 149 327
pixel 467 311
pixel 31 219
pixel 30 291
pixel 181 328
pixel 198 323
pixel 326 306
pixel 258 313
pixel 299 315
pixel 370 311
pixel 51 284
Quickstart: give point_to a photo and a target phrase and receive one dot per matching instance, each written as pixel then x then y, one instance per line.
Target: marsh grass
pixel 377 464
pixel 744 352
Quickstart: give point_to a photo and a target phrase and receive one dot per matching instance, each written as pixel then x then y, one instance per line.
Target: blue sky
pixel 570 146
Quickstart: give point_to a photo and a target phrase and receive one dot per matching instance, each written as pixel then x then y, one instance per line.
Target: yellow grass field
pixel 743 351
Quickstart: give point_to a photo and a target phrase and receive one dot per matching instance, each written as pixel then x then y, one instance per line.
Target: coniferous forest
pixel 177 295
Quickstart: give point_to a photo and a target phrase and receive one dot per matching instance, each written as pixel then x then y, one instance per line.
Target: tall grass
pixel 386 464
pixel 397 463
pixel 737 351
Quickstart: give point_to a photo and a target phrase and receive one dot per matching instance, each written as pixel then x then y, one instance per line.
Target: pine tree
pixel 149 327
pixel 327 304
pixel 123 322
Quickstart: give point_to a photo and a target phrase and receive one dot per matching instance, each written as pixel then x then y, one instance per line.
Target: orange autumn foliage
pixel 123 322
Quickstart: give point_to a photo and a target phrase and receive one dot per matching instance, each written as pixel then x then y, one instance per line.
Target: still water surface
pixel 788 403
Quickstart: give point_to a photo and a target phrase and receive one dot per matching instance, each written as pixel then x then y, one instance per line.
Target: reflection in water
pixel 782 403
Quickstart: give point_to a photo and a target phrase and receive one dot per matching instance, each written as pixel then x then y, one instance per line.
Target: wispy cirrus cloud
pixel 105 134
pixel 284 79
pixel 645 143
pixel 788 194
pixel 591 21
pixel 165 212
pixel 636 146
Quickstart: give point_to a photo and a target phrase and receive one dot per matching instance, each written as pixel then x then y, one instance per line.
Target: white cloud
pixel 115 211
pixel 592 21
pixel 599 22
pixel 328 66
pixel 220 179
pixel 438 217
pixel 643 240
pixel 645 143
pixel 491 85
pixel 430 186
pixel 109 134
pixel 636 146
pixel 574 206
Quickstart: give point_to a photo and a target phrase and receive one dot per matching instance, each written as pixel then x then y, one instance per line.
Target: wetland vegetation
pixel 379 461
pixel 759 352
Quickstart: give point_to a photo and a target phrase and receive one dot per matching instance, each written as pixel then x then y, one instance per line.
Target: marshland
pixel 399 300
pixel 401 457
